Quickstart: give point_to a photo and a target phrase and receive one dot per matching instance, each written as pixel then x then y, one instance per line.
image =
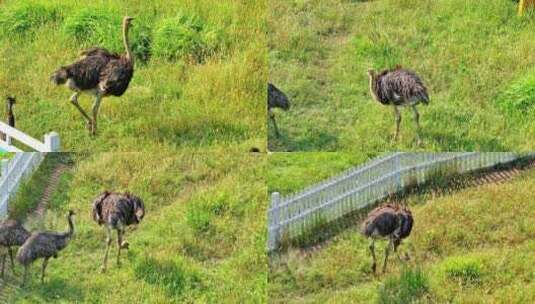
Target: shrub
pixel 102 27
pixel 411 285
pixel 185 36
pixel 466 271
pixel 519 97
pixel 23 18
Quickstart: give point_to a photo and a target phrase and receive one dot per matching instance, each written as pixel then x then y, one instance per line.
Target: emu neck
pixel 71 227
pixel 373 87
pixel 129 56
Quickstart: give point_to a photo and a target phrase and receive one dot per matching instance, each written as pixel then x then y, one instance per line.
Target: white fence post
pixel 274 228
pixel 52 142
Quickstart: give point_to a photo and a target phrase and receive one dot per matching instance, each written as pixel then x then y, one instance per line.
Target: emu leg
pixel 3 264
pixel 108 244
pixel 45 263
pixel 397 116
pixel 119 245
pixel 10 250
pixel 96 106
pixel 372 249
pixel 387 251
pixel 25 277
pixel 417 121
pixel 74 101
pixel 272 118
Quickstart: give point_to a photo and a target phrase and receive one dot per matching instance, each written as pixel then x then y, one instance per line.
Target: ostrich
pixel 44 245
pixel 12 233
pixel 99 73
pixel 10 102
pixel 399 87
pixel 276 99
pixel 388 221
pixel 116 211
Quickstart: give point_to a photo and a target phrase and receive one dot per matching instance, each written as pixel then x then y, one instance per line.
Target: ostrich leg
pixel 397 116
pixel 108 243
pixel 45 263
pixel 74 101
pixel 272 118
pixel 417 121
pixel 372 249
pixel 119 245
pixel 96 106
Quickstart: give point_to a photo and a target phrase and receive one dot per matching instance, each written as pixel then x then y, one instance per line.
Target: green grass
pixel 172 102
pixel 475 57
pixel 471 246
pixel 170 260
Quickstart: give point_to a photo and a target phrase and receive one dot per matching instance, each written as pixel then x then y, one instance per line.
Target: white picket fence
pixel 291 215
pixel 14 172
pixel 51 141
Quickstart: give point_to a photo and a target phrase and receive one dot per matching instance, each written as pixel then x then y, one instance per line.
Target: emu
pixel 399 88
pixel 99 73
pixel 10 102
pixel 12 233
pixel 116 211
pixel 276 99
pixel 44 245
pixel 393 222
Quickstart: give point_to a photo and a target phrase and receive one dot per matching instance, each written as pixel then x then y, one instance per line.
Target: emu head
pixel 139 207
pixel 277 99
pixel 127 20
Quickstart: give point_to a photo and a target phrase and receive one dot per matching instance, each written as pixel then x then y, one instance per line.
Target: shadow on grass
pixel 316 140
pixel 447 142
pixel 172 276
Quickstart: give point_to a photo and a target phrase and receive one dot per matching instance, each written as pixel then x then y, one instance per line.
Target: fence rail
pixel 291 215
pixel 13 172
pixel 51 141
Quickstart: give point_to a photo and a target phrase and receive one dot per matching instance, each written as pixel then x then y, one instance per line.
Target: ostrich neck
pixel 126 44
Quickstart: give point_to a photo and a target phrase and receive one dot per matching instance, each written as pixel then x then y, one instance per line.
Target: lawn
pixel 476 58
pixel 472 245
pixel 202 239
pixel 199 77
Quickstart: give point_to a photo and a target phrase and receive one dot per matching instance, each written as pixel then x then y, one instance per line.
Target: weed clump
pixel 466 271
pixel 185 36
pixel 411 285
pixel 519 97
pixel 24 18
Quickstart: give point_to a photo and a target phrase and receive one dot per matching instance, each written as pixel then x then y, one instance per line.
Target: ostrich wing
pixel 405 85
pixel 116 76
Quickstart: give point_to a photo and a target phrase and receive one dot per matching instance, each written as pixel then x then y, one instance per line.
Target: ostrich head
pixel 371 73
pixel 11 101
pixel 138 205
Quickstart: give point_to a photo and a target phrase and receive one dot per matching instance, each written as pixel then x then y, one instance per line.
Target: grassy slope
pixel 201 241
pixel 168 104
pixel 490 226
pixel 468 52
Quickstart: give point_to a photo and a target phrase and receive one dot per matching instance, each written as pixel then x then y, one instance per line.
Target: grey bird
pixel 388 221
pixel 399 88
pixel 44 245
pixel 99 73
pixel 12 233
pixel 116 211
pixel 276 99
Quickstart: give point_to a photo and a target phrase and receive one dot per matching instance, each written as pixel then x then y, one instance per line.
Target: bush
pixel 519 97
pixel 23 18
pixel 466 271
pixel 185 36
pixel 411 285
pixel 102 27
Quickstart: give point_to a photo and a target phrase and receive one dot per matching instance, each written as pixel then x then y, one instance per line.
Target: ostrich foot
pixel 125 245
